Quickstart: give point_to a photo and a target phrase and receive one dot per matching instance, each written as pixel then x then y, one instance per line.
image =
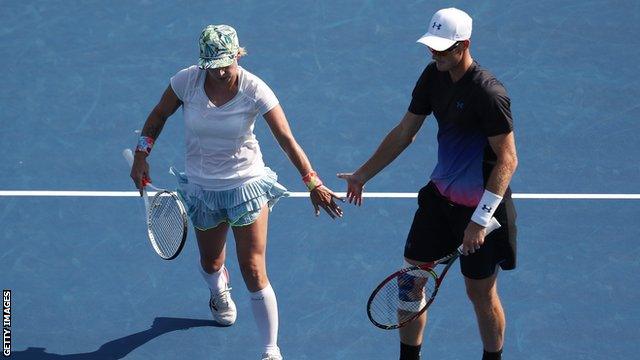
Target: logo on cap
pixel 447 26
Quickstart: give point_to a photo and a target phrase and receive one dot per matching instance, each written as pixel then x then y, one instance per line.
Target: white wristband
pixel 487 206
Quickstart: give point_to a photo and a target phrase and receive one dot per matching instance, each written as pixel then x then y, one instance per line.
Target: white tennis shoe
pixel 222 307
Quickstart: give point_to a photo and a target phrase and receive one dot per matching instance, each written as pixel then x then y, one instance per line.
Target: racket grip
pixel 128 155
pixel 493 225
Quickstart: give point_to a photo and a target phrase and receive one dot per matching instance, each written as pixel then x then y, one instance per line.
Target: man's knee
pixel 483 291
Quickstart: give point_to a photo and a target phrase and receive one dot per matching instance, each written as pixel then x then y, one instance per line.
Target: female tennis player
pixel 226 183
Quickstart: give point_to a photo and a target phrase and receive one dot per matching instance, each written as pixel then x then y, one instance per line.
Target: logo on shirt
pixel 460 105
pixel 436 26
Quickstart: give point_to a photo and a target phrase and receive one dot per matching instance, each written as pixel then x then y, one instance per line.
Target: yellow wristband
pixel 312 181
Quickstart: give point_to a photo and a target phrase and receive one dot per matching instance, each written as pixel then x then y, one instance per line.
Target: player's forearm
pixel 501 174
pixel 296 155
pixel 393 145
pixel 154 124
pixel 150 132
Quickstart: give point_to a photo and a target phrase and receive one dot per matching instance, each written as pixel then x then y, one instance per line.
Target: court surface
pixel 79 78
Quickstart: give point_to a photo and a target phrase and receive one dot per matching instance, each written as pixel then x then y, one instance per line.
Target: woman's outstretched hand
pixel 323 197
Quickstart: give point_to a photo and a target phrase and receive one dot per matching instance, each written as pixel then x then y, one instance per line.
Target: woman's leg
pixel 212 244
pixel 251 244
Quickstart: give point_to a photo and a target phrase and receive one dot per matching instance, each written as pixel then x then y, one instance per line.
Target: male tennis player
pixel 469 185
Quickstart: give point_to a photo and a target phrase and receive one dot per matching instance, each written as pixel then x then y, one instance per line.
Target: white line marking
pixel 579 196
pixel 37 193
pixel 387 195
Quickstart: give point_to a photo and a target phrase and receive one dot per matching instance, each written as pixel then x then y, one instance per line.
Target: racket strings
pixel 166 224
pixel 402 297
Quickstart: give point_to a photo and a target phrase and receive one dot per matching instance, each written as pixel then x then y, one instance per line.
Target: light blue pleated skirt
pixel 238 207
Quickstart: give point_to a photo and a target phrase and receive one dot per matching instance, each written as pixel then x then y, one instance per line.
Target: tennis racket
pixel 406 294
pixel 165 216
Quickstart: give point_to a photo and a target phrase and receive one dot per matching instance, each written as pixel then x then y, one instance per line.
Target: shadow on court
pixel 119 348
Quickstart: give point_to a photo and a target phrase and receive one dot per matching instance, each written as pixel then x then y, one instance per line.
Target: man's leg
pixel 411 338
pixel 429 239
pixel 483 294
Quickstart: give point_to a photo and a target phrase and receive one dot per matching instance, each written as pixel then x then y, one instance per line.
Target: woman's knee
pixel 253 270
pixel 211 264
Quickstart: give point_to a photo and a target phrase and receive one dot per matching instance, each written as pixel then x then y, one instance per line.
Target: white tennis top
pixel 222 151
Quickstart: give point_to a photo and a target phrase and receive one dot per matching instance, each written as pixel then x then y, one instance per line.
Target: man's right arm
pixel 398 139
pixel 393 144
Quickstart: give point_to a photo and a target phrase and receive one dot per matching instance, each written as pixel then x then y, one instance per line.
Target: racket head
pixel 167 224
pixel 402 297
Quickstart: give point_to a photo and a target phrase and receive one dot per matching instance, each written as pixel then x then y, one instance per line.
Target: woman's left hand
pixel 323 197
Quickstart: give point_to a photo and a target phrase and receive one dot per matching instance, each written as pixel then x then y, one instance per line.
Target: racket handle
pixel 493 225
pixel 128 155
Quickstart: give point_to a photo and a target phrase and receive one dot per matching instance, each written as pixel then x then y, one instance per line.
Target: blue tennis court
pixel 79 78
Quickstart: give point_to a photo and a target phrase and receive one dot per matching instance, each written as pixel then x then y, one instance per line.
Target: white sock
pixel 265 311
pixel 216 281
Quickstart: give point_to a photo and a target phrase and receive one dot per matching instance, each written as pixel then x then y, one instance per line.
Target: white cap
pixel 447 26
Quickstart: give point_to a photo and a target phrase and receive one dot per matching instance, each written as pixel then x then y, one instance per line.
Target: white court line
pixel 389 195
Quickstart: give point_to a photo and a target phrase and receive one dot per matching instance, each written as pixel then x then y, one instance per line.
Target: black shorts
pixel 438 229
